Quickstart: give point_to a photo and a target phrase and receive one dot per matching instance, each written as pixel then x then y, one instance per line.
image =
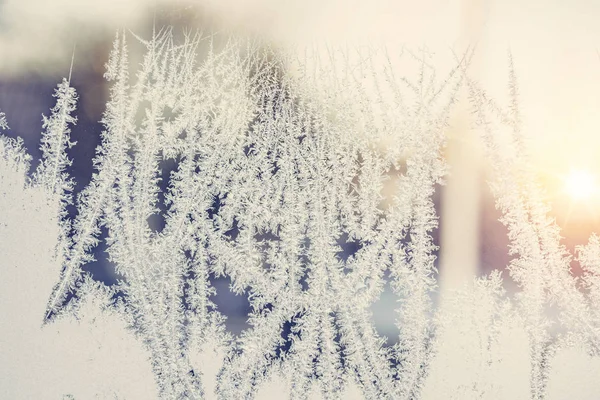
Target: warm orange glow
pixel 580 184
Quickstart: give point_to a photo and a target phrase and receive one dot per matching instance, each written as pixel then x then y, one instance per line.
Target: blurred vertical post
pixel 461 198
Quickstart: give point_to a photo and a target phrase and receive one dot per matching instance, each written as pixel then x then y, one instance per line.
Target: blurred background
pixel 554 47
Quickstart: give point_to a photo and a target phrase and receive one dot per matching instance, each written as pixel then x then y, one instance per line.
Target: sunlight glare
pixel 580 184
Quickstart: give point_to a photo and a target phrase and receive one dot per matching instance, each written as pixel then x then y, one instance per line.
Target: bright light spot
pixel 580 184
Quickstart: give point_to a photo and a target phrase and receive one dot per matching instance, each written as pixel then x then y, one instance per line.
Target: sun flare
pixel 580 184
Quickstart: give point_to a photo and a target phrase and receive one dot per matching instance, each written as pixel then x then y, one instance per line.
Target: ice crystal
pixel 279 160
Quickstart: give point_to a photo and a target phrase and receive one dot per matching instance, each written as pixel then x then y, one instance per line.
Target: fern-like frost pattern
pixel 280 161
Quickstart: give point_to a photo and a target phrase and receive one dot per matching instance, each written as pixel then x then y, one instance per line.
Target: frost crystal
pixel 280 162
